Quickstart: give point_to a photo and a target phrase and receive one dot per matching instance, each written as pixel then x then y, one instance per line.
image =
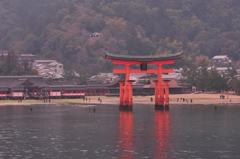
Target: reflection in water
pixel 162 129
pixel 73 132
pixel 126 135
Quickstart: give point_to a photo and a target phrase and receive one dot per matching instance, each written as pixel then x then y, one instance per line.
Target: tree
pixel 235 85
pixel 216 82
pixel 204 79
pixel 60 29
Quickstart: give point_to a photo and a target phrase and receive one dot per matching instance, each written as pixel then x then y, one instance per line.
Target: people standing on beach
pixel 185 100
pixel 20 100
pixel 151 99
pixel 100 100
pixel 222 96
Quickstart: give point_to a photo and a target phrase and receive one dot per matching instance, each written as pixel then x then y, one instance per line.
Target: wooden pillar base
pixel 159 107
pixel 162 107
pixel 126 108
pixel 126 96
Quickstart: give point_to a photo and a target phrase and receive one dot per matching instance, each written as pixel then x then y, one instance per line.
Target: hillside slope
pixel 76 32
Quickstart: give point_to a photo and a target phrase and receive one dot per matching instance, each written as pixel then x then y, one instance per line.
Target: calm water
pixel 48 132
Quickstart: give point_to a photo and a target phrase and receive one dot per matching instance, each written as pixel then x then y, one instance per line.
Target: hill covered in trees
pixel 76 32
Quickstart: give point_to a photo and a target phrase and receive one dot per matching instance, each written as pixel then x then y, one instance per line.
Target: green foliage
pixel 235 85
pixel 216 82
pixel 62 29
pixel 206 80
pixel 93 24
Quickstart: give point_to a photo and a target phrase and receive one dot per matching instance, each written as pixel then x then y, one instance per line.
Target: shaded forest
pixel 76 32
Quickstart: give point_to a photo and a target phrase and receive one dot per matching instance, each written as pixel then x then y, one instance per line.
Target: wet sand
pixel 203 99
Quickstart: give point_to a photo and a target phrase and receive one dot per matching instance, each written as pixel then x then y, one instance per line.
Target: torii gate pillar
pixel 126 91
pixel 161 95
pixel 161 86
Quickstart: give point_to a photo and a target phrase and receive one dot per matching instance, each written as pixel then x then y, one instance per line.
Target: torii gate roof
pixel 148 58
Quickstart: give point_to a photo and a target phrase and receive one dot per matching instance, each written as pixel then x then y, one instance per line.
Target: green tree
pixel 217 82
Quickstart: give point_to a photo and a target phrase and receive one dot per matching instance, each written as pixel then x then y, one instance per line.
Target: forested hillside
pixel 76 32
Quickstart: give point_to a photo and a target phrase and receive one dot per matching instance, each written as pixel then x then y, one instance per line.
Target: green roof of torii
pixel 148 58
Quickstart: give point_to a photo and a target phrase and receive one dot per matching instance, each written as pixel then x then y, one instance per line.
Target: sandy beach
pixel 197 99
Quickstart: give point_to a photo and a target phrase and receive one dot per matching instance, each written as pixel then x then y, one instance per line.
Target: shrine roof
pixel 145 58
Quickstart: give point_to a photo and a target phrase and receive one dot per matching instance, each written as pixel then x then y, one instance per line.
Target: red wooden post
pixel 126 91
pixel 161 87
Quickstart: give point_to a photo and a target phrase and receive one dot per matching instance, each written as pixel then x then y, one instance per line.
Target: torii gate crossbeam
pixel 161 86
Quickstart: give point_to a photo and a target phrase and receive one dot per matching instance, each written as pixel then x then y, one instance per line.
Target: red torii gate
pixel 161 86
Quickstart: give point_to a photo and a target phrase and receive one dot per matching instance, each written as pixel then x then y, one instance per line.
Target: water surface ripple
pixel 69 132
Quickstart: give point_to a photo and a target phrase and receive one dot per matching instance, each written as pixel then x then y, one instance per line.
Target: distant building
pixel 222 64
pixel 3 53
pixel 27 57
pixel 223 70
pixel 177 74
pixel 103 78
pixel 20 56
pixel 238 71
pixel 221 61
pixel 140 78
pixel 45 68
pixel 238 74
pixel 14 87
pixel 95 35
pixel 149 78
pixel 49 69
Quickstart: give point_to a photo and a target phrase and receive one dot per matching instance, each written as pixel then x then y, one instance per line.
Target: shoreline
pixel 197 99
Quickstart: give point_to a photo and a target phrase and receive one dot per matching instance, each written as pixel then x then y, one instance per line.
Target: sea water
pixel 69 132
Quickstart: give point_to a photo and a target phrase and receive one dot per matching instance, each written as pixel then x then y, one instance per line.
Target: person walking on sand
pixel 151 99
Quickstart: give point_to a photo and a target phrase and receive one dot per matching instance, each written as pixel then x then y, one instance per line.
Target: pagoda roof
pixel 144 58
